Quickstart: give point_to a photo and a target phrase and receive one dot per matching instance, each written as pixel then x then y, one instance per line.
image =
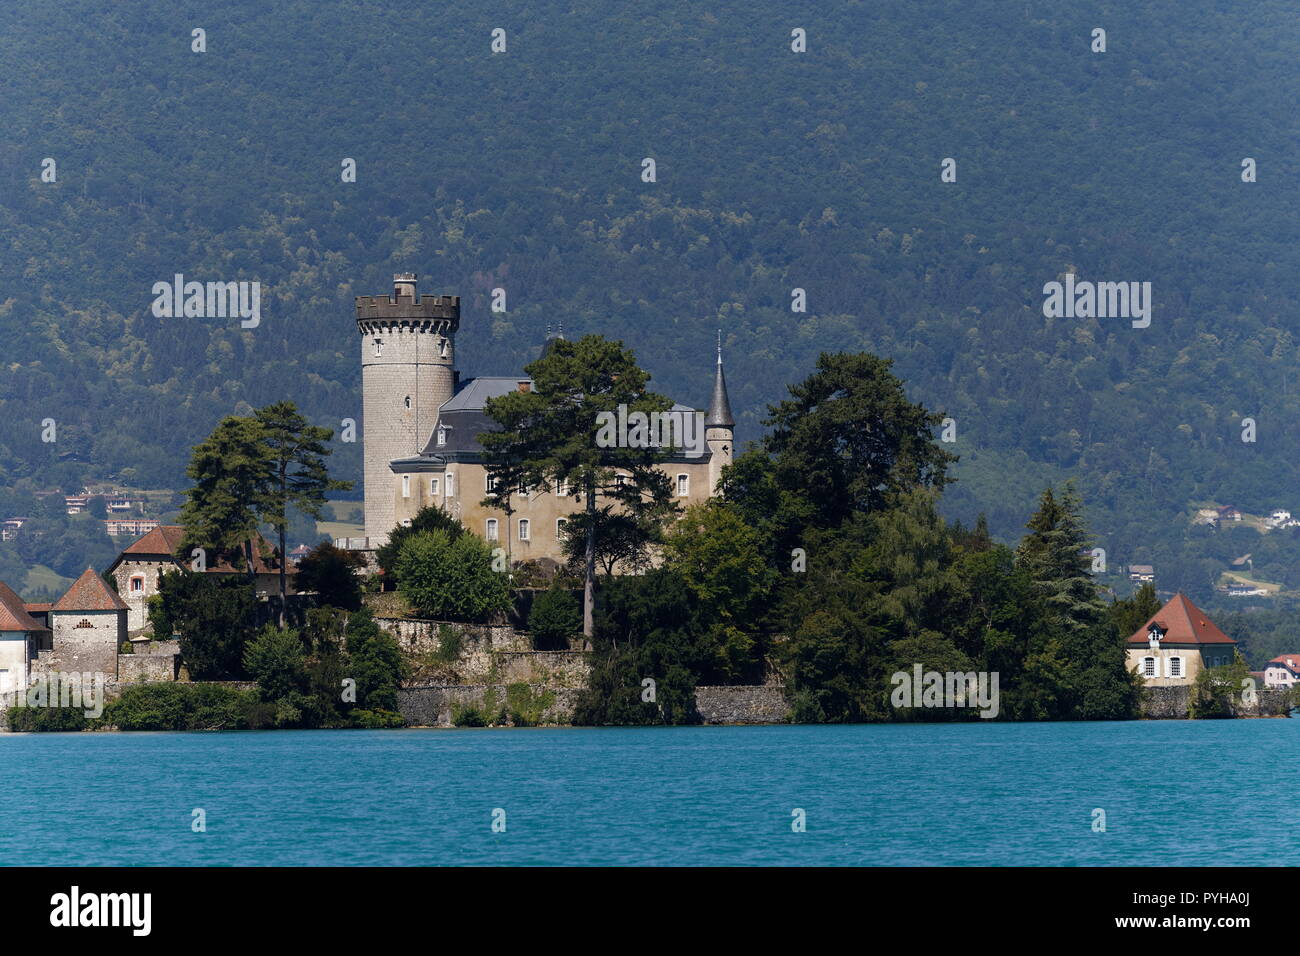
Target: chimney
pixel 404 284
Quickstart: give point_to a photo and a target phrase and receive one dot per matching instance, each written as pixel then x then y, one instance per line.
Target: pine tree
pixel 547 439
pixel 1053 554
pixel 296 455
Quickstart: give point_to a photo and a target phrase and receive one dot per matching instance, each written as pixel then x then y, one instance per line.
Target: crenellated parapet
pixel 430 313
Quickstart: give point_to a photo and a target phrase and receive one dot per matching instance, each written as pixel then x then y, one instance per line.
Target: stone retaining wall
pixel 760 704
pixel 1171 703
pixel 433 706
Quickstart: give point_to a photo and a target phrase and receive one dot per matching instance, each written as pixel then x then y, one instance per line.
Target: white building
pixel 1282 671
pixel 20 635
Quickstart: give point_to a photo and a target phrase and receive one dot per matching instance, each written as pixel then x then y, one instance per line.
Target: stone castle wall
pixel 148 572
pixel 488 654
pixel 84 642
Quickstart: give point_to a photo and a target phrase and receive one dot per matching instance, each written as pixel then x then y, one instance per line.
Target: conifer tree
pixel 296 455
pixel 547 438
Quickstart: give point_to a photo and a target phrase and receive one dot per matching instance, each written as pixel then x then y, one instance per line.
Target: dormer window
pixel 1154 635
pixel 442 436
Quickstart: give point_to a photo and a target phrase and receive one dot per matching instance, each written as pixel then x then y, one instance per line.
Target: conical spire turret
pixel 719 414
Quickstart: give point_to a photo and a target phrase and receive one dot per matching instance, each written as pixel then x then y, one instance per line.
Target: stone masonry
pixel 407 372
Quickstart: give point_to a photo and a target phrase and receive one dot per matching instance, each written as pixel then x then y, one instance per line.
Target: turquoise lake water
pixel 1174 793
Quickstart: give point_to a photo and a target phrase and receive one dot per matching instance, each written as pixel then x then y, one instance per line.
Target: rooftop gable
pixel 13 614
pixel 89 593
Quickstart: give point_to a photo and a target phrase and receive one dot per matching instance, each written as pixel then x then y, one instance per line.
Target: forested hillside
pixel 775 170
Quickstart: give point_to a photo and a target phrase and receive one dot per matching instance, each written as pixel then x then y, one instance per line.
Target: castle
pixel 421 422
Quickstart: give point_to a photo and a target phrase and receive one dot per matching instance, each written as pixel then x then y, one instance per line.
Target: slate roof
pixel 463 416
pixel 719 407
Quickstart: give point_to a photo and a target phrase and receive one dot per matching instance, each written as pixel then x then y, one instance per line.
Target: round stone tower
pixel 407 371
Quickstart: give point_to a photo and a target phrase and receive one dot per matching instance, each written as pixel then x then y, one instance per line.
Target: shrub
pixel 48 719
pixel 450 578
pixel 525 708
pixel 375 663
pixel 333 574
pixel 181 707
pixel 554 618
pixel 277 661
pixel 378 719
pixel 430 518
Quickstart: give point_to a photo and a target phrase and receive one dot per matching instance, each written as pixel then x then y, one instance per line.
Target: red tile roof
pixel 165 540
pixel 1183 623
pixel 89 593
pixel 13 614
pixel 1282 661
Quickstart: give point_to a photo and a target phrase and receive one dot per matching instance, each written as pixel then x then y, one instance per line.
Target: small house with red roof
pixel 88 625
pixel 1282 671
pixel 20 634
pixel 80 633
pixel 142 563
pixel 1176 644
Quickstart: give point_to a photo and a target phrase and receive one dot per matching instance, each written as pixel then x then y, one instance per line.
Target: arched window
pixel 406 486
pixel 683 485
pixel 408 401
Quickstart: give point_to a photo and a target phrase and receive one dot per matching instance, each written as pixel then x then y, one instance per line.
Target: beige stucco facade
pixel 1175 665
pixel 459 490
pixel 422 421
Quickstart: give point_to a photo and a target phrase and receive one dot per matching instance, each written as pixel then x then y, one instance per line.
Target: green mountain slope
pixel 775 170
